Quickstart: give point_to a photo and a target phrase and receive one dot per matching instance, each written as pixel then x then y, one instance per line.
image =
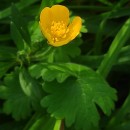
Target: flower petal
pixel 60 13
pixel 74 27
pixel 60 43
pixel 45 33
pixel 46 18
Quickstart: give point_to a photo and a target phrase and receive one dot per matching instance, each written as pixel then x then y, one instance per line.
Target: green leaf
pixel 21 25
pixel 16 103
pixel 46 3
pixel 122 126
pixel 7 58
pixel 36 35
pixel 49 72
pixel 22 94
pixel 16 36
pixel 21 5
pixel 49 3
pixel 4 67
pixel 43 123
pixel 83 29
pixel 84 87
pixel 106 2
pixel 114 50
pixel 58 54
pixel 65 53
pixel 7 53
pixel 58 1
pixel 122 117
pixel 31 88
pixel 124 56
pixel 94 61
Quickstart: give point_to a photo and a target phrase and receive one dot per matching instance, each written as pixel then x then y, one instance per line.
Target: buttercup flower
pixel 55 26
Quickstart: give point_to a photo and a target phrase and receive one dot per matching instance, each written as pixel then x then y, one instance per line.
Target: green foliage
pixel 86 89
pixel 118 42
pixel 31 88
pixel 19 29
pixel 7 53
pixel 43 70
pixel 21 93
pixel 12 124
pixel 49 3
pixel 64 53
pixel 22 4
pixel 7 58
pixel 106 2
pixel 17 103
pixel 60 54
pixel 43 123
pixel 36 35
pixel 16 36
pixel 83 85
pixel 4 67
pixel 119 121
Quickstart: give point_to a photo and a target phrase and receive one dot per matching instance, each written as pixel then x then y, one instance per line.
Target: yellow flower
pixel 55 26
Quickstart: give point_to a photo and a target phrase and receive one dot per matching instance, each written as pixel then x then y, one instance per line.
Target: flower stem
pixel 31 121
pixel 62 125
pixel 58 125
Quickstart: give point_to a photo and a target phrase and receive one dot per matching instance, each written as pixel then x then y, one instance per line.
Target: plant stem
pixel 31 121
pixel 62 125
pixel 58 125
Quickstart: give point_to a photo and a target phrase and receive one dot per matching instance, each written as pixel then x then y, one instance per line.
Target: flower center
pixel 58 30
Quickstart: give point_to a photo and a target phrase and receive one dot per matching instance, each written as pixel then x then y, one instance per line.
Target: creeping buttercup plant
pixel 64 66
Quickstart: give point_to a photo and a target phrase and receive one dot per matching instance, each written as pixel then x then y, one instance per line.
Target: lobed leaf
pixel 31 88
pixel 64 53
pixel 76 99
pixel 17 103
pixel 49 73
pixel 22 94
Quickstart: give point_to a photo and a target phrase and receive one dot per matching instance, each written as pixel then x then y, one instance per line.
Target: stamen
pixel 58 30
